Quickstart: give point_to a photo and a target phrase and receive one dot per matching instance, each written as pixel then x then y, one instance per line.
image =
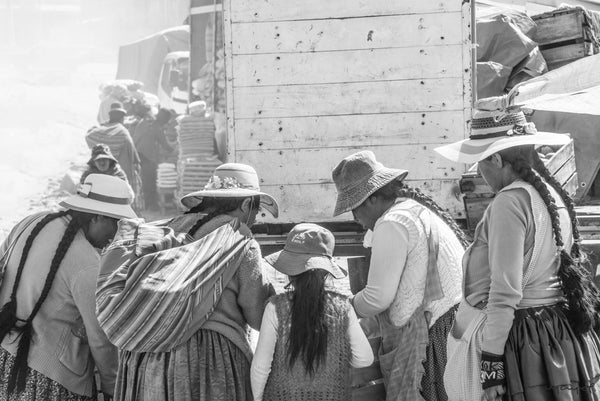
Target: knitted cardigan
pixel 331 381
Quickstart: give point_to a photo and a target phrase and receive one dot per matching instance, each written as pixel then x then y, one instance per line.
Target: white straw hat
pixel 232 180
pixel 492 132
pixel 357 177
pixel 102 194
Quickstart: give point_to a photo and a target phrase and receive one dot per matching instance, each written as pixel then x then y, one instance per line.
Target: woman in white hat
pixel 51 339
pixel 523 330
pixel 310 336
pixel 212 362
pixel 414 279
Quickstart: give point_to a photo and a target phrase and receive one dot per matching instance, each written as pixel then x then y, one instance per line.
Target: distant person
pixel 139 110
pixel 50 336
pixel 115 135
pixel 310 335
pixel 149 138
pixel 103 162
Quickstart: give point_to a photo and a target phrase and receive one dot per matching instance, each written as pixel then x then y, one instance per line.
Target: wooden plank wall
pixel 310 82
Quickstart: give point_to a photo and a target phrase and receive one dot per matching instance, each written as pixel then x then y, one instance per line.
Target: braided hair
pixel 579 290
pixel 216 207
pixel 8 313
pixel 397 189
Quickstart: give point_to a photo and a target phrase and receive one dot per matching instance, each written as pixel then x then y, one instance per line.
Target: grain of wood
pixel 349 98
pixel 282 10
pixel 396 129
pixel 425 62
pixel 380 32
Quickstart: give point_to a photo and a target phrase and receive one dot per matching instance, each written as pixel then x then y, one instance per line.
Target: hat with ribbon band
pixel 232 180
pixel 104 195
pixel 493 131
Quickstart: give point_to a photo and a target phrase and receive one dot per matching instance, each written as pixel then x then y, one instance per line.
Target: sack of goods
pixel 166 176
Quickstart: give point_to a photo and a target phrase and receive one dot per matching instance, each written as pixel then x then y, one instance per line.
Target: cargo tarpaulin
pixel 567 100
pixel 142 60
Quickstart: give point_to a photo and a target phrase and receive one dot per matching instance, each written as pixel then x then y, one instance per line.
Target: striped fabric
pixel 155 288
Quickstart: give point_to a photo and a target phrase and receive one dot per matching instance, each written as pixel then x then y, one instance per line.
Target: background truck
pixel 310 82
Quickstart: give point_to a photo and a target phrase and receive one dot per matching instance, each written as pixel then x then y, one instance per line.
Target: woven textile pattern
pixel 331 381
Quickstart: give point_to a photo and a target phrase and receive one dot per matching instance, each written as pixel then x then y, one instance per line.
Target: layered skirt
pixel 209 367
pixel 38 387
pixel 546 361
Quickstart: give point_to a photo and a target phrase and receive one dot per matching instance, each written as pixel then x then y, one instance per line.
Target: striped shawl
pixel 156 288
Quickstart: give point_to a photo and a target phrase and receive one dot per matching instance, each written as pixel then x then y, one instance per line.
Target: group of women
pixel 510 316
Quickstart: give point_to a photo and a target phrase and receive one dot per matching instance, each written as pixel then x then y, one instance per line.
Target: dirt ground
pixel 46 112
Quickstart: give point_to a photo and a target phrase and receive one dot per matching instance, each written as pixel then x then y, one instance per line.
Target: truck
pixel 308 83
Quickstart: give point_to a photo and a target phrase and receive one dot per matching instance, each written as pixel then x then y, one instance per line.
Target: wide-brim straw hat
pixel 308 246
pixel 492 132
pixel 358 176
pixel 102 194
pixel 232 180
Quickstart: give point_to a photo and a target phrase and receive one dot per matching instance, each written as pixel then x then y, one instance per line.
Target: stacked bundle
pixel 166 177
pixel 194 174
pixel 196 137
pixel 197 153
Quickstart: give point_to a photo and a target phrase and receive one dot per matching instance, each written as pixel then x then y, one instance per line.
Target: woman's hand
pixel 494 393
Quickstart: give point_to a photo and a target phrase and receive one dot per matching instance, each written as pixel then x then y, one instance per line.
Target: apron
pixel 403 349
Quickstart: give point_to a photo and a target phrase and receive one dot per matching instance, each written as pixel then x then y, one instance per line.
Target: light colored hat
pixel 307 247
pixel 357 177
pixel 232 180
pixel 102 194
pixel 492 132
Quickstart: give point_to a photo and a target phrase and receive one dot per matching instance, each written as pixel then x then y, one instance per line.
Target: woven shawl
pixel 156 289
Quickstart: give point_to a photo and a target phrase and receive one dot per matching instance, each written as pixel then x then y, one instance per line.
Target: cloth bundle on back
pixel 177 296
pixel 165 286
pixel 50 336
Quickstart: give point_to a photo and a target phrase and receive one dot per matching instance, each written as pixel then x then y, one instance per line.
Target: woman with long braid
pixel 213 361
pixel 524 330
pixel 413 286
pixel 51 339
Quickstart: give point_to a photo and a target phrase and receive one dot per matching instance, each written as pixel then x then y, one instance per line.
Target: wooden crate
pixel 562 36
pixel 478 195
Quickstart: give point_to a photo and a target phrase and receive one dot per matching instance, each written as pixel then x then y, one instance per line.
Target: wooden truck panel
pixel 309 83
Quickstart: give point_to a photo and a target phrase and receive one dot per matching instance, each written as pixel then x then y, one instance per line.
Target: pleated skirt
pixel 546 361
pixel 209 367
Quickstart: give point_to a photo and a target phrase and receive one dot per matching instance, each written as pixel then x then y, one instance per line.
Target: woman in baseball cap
pixel 310 335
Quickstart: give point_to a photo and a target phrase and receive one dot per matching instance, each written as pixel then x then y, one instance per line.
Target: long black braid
pixel 397 189
pixel 579 291
pixel 8 317
pixel 216 207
